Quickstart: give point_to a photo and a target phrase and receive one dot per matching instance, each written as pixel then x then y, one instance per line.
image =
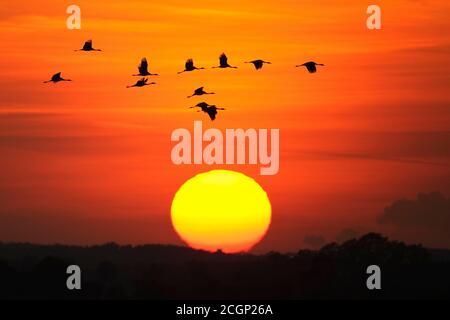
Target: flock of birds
pixel 189 66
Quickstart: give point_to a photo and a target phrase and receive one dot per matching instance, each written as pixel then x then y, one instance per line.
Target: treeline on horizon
pixel 337 271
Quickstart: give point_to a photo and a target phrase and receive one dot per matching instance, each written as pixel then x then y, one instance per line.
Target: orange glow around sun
pixel 223 210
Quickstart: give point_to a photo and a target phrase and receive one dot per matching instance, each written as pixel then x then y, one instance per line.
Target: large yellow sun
pixel 221 209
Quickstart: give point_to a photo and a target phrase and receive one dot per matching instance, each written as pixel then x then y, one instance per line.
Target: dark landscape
pixel 111 271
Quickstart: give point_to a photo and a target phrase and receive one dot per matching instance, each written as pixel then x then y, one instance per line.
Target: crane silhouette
pixel 223 62
pixel 141 83
pixel 88 47
pixel 189 66
pixel 258 63
pixel 143 69
pixel 311 66
pixel 200 92
pixel 209 109
pixel 57 78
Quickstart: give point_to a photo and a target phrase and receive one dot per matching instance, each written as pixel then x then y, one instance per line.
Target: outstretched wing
pixel 212 112
pixel 189 64
pixel 203 105
pixel 56 76
pixel 258 64
pixel 311 66
pixel 141 82
pixel 143 67
pixel 223 59
pixel 87 45
pixel 199 91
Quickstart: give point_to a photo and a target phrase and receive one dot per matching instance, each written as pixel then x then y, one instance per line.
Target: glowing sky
pixel 89 161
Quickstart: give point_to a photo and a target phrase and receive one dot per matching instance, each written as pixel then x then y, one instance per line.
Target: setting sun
pixel 221 209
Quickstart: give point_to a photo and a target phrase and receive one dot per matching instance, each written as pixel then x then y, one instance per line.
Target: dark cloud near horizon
pixel 314 241
pixel 49 226
pixel 428 210
pixel 347 234
pixel 425 220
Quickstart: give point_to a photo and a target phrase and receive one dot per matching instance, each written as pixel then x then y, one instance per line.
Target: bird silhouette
pixel 200 92
pixel 223 62
pixel 143 69
pixel 57 78
pixel 141 83
pixel 258 63
pixel 311 66
pixel 189 66
pixel 209 109
pixel 88 47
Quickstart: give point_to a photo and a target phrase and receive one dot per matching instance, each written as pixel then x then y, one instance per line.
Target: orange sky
pixel 89 161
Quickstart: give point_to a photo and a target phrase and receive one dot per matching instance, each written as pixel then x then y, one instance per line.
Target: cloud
pixel 428 210
pixel 68 134
pixel 425 219
pixel 411 147
pixel 347 234
pixel 314 241
pixel 76 226
pixel 376 157
pixel 443 48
